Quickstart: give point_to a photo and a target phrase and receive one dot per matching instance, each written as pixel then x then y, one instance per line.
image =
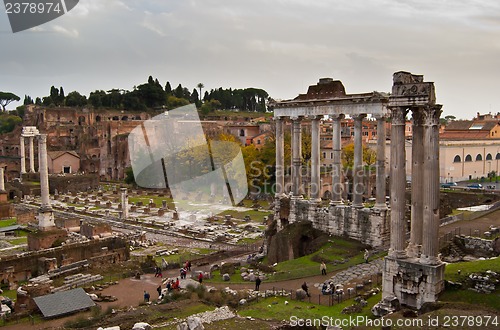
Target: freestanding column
pixel 124 203
pixel 337 165
pixel 2 180
pixel 315 166
pixel 32 155
pixel 358 186
pixel 398 183
pixel 430 241
pixel 380 184
pixel 22 151
pixel 417 177
pixel 296 156
pixel 44 173
pixel 280 168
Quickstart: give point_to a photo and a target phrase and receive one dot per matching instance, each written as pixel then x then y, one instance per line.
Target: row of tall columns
pixel 296 160
pixel 425 185
pixel 23 154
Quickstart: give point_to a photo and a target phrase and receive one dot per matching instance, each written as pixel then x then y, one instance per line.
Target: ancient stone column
pixel 337 164
pixel 398 183
pixel 2 179
pixel 44 172
pixel 430 241
pixel 45 215
pixel 296 156
pixel 32 155
pixel 358 186
pixel 22 154
pixel 380 183
pixel 280 168
pixel 315 162
pixel 124 202
pixel 417 177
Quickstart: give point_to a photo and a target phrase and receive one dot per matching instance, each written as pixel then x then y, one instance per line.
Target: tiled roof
pixel 56 154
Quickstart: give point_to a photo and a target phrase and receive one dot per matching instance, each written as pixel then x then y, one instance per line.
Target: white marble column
pixel 22 154
pixel 32 154
pixel 2 179
pixel 337 163
pixel 398 183
pixel 45 215
pixel 315 161
pixel 280 161
pixel 358 185
pixel 430 233
pixel 417 177
pixel 380 185
pixel 124 201
pixel 296 157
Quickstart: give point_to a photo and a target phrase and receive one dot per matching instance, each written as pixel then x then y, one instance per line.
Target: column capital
pixel 338 116
pixel 296 118
pixel 314 117
pixel 359 117
pixel 431 115
pixel 379 116
pixel 417 115
pixel 398 115
pixel 277 118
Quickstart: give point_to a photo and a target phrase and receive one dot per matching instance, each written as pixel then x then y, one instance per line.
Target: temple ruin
pixel 328 98
pixel 413 273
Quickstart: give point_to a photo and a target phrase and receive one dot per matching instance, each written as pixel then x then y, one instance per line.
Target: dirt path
pixel 467 227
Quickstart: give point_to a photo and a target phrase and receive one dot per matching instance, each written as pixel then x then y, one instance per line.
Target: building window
pixel 258 141
pixel 498 156
pixel 489 157
pixel 324 155
pixel 67 169
pixel 468 158
pixel 479 157
pixel 331 155
pixel 242 132
pixel 457 159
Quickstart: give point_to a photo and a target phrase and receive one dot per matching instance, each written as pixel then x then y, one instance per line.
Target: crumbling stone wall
pixel 479 246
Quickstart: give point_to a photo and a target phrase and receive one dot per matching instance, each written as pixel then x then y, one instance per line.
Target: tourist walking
pixel 257 283
pixel 305 288
pixel 200 277
pixel 367 255
pixel 146 296
pixel 323 268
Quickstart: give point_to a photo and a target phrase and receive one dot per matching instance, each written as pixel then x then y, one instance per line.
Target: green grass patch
pixel 19 241
pixel 468 267
pixel 474 298
pixel 257 216
pixel 302 310
pixel 8 222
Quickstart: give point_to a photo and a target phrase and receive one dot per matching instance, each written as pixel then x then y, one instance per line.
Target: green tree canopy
pixel 6 98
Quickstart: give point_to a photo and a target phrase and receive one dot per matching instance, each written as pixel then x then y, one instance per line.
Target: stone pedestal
pixel 412 282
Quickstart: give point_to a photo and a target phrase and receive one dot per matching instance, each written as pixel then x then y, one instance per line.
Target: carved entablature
pixel 411 90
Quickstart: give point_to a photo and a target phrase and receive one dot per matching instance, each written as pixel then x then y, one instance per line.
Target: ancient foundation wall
pixel 369 226
pixel 26 264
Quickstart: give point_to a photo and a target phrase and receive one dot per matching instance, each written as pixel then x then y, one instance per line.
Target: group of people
pixel 185 269
pixel 158 272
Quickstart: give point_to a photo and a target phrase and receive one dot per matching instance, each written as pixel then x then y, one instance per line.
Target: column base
pixel 358 206
pixel 315 201
pixel 397 254
pixel 430 260
pixel 45 219
pixel 298 197
pixel 381 206
pixel 413 250
pixel 337 203
pixel 412 282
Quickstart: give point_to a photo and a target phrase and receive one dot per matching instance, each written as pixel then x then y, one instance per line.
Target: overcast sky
pixel 282 46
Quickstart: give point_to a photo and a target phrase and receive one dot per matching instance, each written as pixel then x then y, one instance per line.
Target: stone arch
pixel 498 156
pixel 137 117
pixel 242 132
pixel 125 118
pixel 489 157
pixel 479 157
pixel 468 158
pixel 457 159
pixel 116 118
pixel 98 119
pixel 327 195
pixel 81 120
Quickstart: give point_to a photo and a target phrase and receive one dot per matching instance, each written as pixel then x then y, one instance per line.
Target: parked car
pixel 448 185
pixel 474 186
